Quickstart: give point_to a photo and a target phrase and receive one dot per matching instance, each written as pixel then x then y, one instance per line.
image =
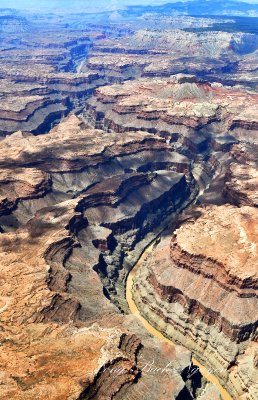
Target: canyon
pixel 128 156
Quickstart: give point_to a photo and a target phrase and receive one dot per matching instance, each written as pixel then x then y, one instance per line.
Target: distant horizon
pixel 91 5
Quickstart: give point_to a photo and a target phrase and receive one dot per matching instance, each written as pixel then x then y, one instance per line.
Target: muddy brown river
pixel 134 310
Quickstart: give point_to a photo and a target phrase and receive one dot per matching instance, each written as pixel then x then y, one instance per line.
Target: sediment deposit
pixel 199 287
pixel 117 129
pixel 74 217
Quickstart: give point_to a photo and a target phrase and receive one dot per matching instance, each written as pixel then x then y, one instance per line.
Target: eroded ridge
pixel 200 286
pixel 114 128
pixel 180 108
pixel 75 216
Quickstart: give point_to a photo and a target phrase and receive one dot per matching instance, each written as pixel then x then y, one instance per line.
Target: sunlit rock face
pixel 200 287
pixel 181 104
pixel 78 206
pixel 216 55
pixel 119 128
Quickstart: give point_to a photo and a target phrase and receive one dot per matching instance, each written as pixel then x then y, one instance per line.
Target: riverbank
pixel 153 331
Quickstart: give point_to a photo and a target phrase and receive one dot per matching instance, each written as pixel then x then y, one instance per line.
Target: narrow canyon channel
pixel 134 310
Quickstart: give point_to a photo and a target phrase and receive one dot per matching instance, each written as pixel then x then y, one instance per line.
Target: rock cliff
pixel 118 128
pixel 75 215
pixel 199 287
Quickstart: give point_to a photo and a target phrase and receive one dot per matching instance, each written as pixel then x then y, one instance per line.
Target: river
pixel 134 310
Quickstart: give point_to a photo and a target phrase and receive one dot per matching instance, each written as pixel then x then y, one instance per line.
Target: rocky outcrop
pixel 199 288
pixel 71 63
pixel 187 44
pixel 36 103
pixel 137 174
pixel 40 75
pixel 87 157
pixel 241 187
pixel 24 185
pixel 179 108
pixel 174 48
pixel 241 182
pixel 80 201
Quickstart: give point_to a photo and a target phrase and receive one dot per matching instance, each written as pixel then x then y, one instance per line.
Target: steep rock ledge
pixel 177 292
pixel 241 183
pixel 79 205
pixel 179 106
pixel 79 196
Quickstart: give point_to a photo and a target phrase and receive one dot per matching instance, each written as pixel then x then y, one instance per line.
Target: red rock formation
pixel 241 187
pixel 201 285
pixel 241 183
pixel 61 336
pixel 78 205
pixel 181 106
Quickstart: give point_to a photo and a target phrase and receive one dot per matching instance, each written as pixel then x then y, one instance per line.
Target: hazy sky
pixel 85 4
pixel 91 4
pixel 70 3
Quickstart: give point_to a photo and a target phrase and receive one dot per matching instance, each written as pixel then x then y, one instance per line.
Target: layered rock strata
pixel 181 107
pixel 78 205
pixel 216 55
pixel 241 181
pixel 80 201
pixel 200 288
pixel 40 74
pixel 36 103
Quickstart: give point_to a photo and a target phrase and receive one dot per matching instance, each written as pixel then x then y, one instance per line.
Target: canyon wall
pixel 116 129
pixel 199 285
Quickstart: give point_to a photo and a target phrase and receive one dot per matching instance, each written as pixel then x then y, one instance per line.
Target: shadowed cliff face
pixel 78 206
pixel 111 131
pixel 115 180
pixel 50 65
pixel 179 108
pixel 200 283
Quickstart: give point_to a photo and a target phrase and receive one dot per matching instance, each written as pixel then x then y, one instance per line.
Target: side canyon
pixel 122 145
